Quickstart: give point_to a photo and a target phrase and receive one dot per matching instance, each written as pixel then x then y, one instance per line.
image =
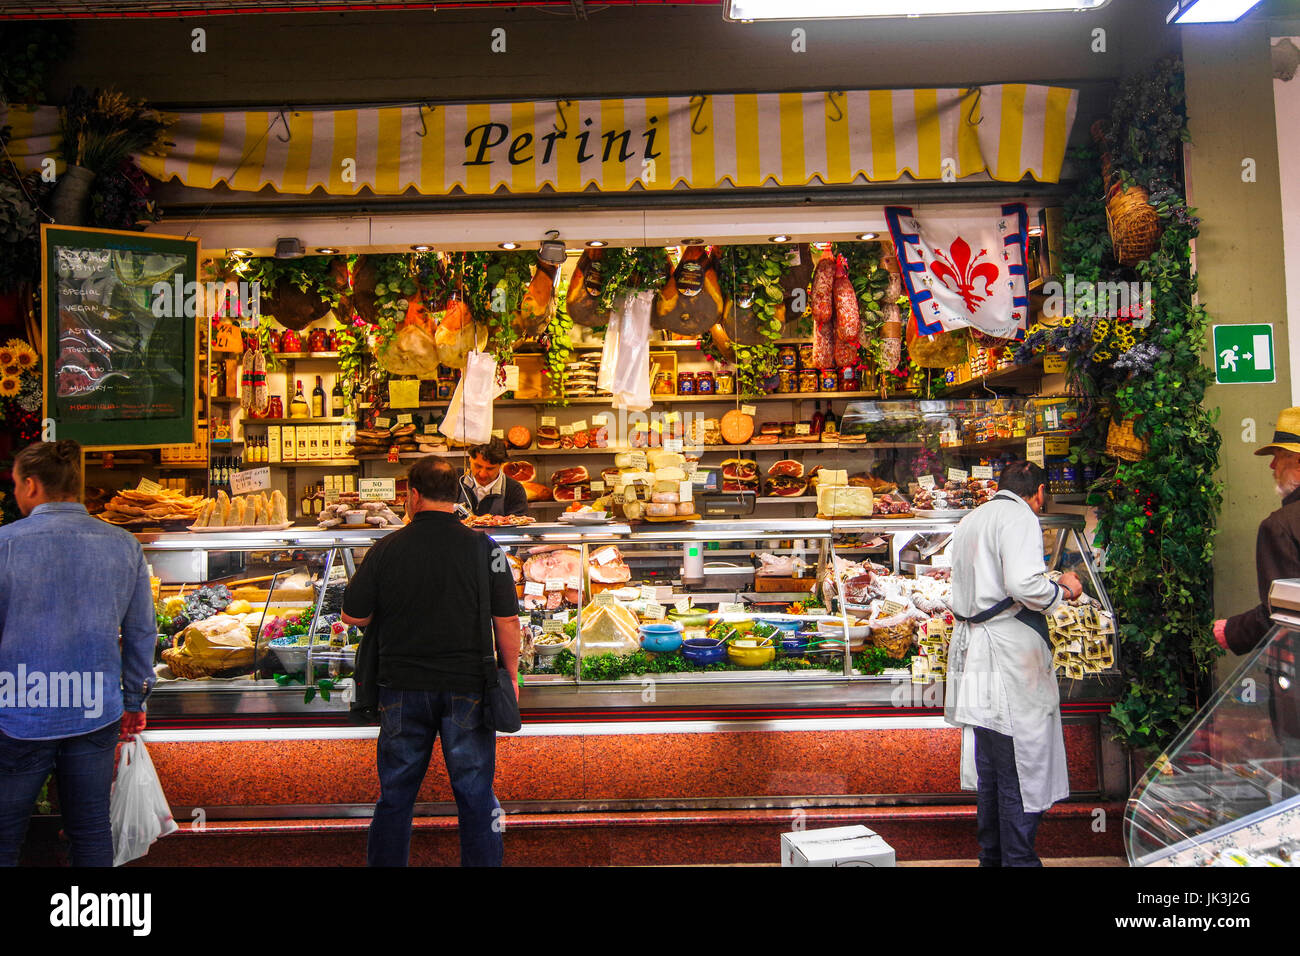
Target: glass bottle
pixel 318 400
pixel 830 424
pixel 298 408
pixel 818 418
pixel 336 398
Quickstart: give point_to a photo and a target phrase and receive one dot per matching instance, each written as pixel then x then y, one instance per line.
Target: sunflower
pixel 25 355
pixel 1067 321
pixel 8 356
pixel 9 386
pixel 11 369
pixel 1101 355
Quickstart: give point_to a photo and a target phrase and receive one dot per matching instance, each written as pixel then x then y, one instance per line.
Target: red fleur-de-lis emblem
pixel 965 271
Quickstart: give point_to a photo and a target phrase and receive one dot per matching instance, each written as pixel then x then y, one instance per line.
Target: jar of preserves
pixel 664 384
pixel 685 383
pixel 725 383
pixel 317 341
pixel 788 356
pixel 704 384
pixel 809 380
pixel 849 379
pixel 788 380
pixel 830 380
pixel 445 387
pixel 291 343
pixel 806 355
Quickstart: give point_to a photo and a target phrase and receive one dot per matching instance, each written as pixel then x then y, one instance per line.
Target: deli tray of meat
pixel 938 512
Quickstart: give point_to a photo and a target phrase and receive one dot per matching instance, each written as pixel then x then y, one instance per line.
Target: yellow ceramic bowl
pixel 751 652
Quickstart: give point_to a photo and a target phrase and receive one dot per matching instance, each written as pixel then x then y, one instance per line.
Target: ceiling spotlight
pixel 421 248
pixel 241 253
pixel 597 243
pixel 507 245
pixel 1209 11
pixel 781 238
pixel 867 236
pixel 289 248
pixel 327 250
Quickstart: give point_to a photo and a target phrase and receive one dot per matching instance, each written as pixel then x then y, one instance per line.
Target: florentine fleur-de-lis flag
pixel 964 272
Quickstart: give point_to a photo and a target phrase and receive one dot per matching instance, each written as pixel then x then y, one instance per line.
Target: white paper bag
pixel 469 417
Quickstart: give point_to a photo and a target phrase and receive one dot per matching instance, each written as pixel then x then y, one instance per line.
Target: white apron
pixel 1000 672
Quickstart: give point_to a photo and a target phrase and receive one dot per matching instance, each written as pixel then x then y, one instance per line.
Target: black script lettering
pixel 492 134
pixel 623 138
pixel 520 143
pixel 550 144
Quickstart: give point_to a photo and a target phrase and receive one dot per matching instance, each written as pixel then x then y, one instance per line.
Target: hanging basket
pixel 1133 223
pixel 1121 443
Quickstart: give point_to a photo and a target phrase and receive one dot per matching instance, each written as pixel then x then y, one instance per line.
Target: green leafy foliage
pixel 628 271
pixel 28 54
pixel 755 272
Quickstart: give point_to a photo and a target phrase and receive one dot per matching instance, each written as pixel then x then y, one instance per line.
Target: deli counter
pixel 728 618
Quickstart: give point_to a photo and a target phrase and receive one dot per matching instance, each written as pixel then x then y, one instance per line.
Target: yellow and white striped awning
pixel 703 142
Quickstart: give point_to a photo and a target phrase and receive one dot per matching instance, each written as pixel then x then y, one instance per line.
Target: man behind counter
pixel 486 490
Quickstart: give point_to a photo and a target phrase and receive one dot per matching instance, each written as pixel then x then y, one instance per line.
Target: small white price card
pixel 649 592
pixel 606 555
pixel 673 446
pixel 941 561
pixel 383 422
pixel 572 584
pixel 654 612
pixel 555 584
pixel 534 589
pixel 377 489
pixel 639 461
pixel 890 608
pixel 600 419
pixel 548 421
pixel 405 418
pixel 566 429
pixel 1035 452
pixel 686 490
pixel 925 482
pixel 700 478
pixel 683 605
pixel 499 433
pixel 553 626
pixel 254 479
pixel 983 472
pixel 512 377
pixel 958 474
pixel 731 608
pixel 597 486
pixel 749 410
pixel 803 428
pixel 152 487
pixel 431 429
pixel 580 425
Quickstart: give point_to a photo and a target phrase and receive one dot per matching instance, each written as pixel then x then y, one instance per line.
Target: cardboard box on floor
pixel 836 846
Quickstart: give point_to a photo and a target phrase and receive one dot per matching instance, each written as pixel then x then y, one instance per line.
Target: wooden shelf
pixel 662 400
pixel 222 400
pixel 1017 378
pixel 708 449
pixel 296 421
pixel 305 355
pixel 316 463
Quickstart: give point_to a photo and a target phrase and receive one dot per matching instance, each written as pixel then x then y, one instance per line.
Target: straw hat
pixel 1286 436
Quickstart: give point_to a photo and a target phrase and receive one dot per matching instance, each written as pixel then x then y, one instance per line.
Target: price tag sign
pixel 600 419
pixel 686 490
pixel 1034 451
pixel 606 555
pixel 534 589
pixel 639 462
pixel 1056 445
pixel 152 487
pixel 561 616
pixel 512 377
pixel 580 426
pixel 749 410
pixel 673 446
pixel 499 433
pixel 700 478
pixel 431 429
pixel 654 612
pixel 555 584
pixel 682 605
pixel 1054 363
pixel 383 422
pixel 566 429
pixel 941 561
pixel 553 626
pixel 597 486
pixel 406 418
pixel 377 489
pixel 227 339
pixel 731 608
pixel 649 592
pixel 982 472
pixel 803 428
pixel 404 393
pixel 548 421
pixel 254 479
pixel 890 608
pixel 958 474
pixel 572 584
pixel 331 495
pixel 925 482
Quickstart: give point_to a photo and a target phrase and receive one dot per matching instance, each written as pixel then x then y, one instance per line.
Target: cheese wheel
pixel 665 498
pixel 670 474
pixel 658 509
pixel 737 427
pixel 686 507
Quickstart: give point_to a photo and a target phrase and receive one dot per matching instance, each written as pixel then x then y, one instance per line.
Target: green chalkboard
pixel 119 324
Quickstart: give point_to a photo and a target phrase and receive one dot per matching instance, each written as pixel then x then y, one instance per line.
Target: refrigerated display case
pixel 1227 791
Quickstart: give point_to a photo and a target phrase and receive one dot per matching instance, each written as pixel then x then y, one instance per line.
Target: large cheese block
pixel 670 474
pixel 843 501
pixel 664 459
pixel 832 476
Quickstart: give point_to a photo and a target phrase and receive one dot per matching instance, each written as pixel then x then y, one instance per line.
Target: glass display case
pixel 1227 791
pixel 795 611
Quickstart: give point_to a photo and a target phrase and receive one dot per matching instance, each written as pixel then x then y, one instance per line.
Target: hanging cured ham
pixel 691 299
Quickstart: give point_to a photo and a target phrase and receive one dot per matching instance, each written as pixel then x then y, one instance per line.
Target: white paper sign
pixel 649 592
pixel 1035 452
pixel 654 612
pixel 983 472
pixel 534 589
pixel 548 421
pixel 566 429
pixel 553 626
pixel 555 584
pixel 405 419
pixel 749 410
pixel 686 490
pixel 597 486
pixel 254 479
pixel 673 446
pixel 731 608
pixel 957 474
pixel 683 605
pixel 803 428
pixel 377 489
pixel 606 555
pixel 512 377
pixel 499 433
pixel 580 425
pixel 925 482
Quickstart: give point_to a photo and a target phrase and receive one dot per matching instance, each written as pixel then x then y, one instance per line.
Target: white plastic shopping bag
pixel 625 361
pixel 138 809
pixel 469 416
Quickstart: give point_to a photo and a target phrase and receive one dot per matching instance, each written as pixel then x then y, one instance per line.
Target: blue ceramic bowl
pixel 794 645
pixel 661 638
pixel 704 650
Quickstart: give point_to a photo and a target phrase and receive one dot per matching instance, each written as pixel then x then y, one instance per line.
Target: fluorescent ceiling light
pixel 746 10
pixel 1209 11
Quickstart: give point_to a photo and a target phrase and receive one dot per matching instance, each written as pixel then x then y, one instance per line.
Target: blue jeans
pixel 83 767
pixel 410 722
pixel 1005 832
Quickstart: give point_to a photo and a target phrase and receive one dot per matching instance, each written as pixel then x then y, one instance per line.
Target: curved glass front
pixel 1227 792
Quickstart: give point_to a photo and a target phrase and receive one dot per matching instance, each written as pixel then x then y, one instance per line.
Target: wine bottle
pixel 318 400
pixel 298 408
pixel 818 418
pixel 830 424
pixel 336 398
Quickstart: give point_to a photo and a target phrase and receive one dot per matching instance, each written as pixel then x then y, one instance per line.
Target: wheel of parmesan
pixel 737 427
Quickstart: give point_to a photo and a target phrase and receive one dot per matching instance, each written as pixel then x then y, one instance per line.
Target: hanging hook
pixel 699 111
pixel 552 234
pixel 978 91
pixel 283 119
pixel 424 129
pixel 832 101
pixel 559 109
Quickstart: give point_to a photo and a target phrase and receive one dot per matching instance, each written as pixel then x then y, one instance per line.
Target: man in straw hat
pixel 1277 547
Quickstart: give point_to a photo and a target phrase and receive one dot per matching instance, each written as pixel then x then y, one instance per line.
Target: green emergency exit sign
pixel 1243 355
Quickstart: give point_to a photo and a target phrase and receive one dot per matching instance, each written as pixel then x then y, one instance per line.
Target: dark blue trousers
pixel 1005 831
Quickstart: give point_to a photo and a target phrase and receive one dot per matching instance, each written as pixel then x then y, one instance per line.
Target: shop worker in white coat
pixel 1001 689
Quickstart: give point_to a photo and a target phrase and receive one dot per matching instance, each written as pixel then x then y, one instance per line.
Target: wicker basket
pixel 1121 443
pixel 1134 224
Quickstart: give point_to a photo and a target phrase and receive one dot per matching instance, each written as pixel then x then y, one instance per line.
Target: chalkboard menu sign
pixel 120 319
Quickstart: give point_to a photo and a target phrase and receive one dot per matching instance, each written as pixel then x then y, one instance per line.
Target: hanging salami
pixel 823 283
pixel 847 321
pixel 891 343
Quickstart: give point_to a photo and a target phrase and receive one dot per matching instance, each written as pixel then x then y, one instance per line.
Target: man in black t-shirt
pixel 420 592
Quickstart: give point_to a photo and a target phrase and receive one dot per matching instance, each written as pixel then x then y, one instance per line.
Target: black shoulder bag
pixel 500 704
